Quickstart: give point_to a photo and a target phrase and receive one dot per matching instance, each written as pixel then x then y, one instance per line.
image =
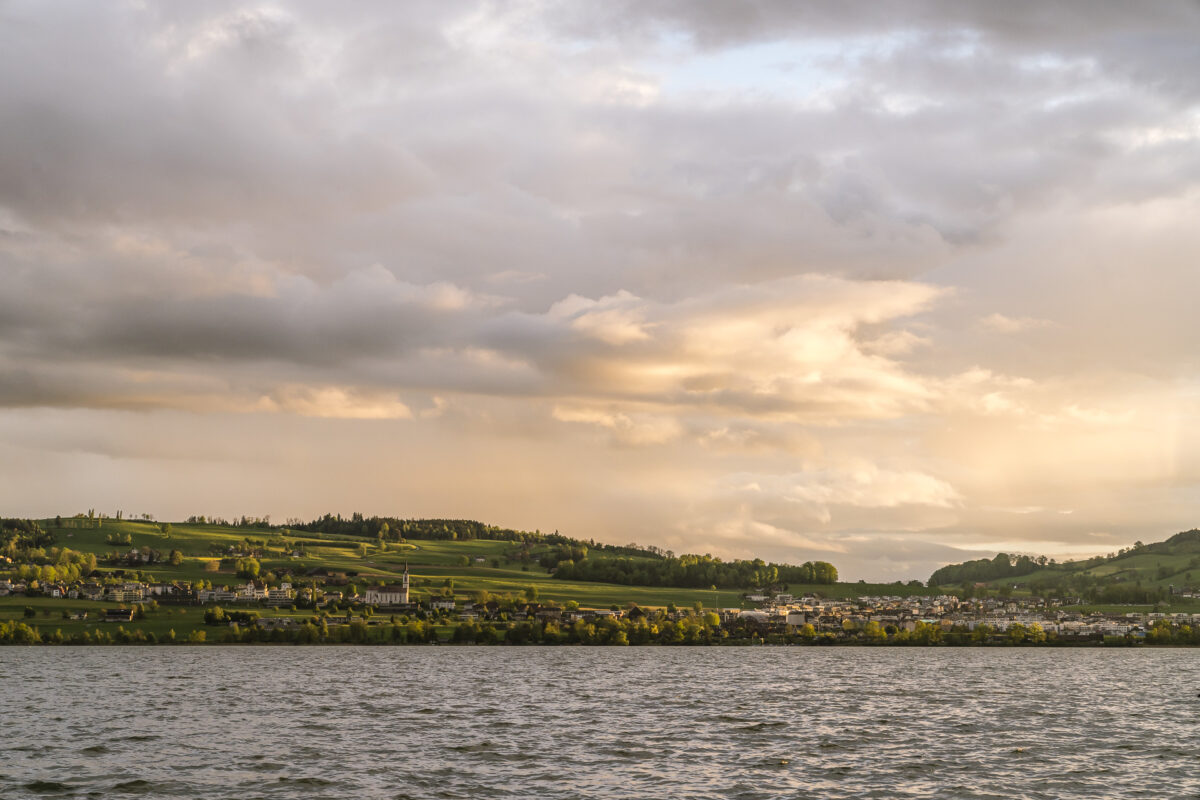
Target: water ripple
pixel 602 723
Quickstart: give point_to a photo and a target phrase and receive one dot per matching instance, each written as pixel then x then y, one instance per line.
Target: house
pixel 126 593
pixel 442 603
pixel 280 595
pixel 273 623
pixel 796 619
pixel 118 615
pixel 251 591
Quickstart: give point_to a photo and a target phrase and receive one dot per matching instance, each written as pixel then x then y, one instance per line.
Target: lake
pixel 502 722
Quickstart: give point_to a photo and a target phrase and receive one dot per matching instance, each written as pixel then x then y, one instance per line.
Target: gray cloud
pixel 656 249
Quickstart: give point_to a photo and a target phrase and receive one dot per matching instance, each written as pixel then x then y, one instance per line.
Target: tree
pixel 175 559
pixel 531 593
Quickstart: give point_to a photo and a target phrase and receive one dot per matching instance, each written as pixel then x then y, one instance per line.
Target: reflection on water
pixel 464 722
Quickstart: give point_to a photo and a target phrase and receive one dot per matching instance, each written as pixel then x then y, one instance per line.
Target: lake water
pixel 502 722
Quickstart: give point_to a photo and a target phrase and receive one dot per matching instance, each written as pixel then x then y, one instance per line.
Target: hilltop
pixel 1142 573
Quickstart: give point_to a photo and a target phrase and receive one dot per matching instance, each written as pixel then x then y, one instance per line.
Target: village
pixel 764 613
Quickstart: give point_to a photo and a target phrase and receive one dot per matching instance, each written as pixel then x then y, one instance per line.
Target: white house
pixel 281 594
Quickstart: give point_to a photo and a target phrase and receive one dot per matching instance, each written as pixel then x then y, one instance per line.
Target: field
pixel 467 567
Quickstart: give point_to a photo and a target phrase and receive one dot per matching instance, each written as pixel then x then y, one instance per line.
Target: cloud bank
pixel 893 285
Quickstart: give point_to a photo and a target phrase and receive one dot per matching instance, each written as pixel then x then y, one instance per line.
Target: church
pixel 389 595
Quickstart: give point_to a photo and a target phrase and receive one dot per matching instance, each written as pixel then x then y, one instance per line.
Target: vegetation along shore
pixel 94 579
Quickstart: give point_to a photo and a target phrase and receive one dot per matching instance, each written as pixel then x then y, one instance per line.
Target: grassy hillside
pixel 1146 571
pixel 209 553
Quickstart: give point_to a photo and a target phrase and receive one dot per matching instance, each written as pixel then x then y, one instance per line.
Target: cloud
pixel 617 319
pixel 626 429
pixel 1002 324
pixel 333 402
pixel 863 486
pixel 902 268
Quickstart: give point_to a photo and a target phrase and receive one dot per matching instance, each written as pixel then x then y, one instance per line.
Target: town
pixel 764 616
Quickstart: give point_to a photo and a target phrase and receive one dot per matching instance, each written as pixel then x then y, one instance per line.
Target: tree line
pixel 694 571
pixel 986 569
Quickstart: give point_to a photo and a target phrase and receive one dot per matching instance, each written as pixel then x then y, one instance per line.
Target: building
pixel 280 595
pixel 126 593
pixel 389 595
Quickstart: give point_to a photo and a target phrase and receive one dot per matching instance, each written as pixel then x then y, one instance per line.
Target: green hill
pixel 458 557
pixel 1142 573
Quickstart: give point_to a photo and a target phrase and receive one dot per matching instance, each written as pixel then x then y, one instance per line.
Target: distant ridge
pixel 1139 573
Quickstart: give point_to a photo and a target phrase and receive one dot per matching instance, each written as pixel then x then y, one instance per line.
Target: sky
pixel 887 285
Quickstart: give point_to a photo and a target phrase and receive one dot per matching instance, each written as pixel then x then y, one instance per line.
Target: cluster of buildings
pixel 252 591
pixel 783 613
pixel 779 613
pixel 142 592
